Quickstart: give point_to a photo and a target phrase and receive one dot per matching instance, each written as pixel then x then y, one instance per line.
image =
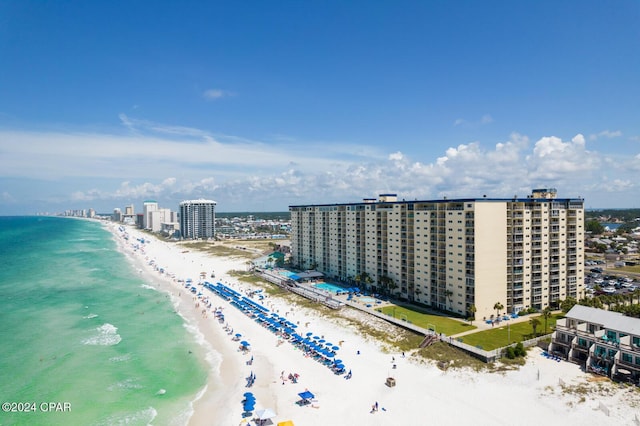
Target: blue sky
pixel 260 105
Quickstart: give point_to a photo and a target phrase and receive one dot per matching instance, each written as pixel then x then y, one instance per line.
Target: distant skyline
pixel 262 105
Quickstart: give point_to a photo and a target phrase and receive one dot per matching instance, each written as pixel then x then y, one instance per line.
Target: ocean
pixel 84 339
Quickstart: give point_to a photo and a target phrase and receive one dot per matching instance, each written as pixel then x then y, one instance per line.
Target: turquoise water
pixel 329 287
pixel 81 328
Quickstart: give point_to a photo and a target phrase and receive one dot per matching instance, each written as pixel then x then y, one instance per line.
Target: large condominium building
pixel 449 254
pixel 197 219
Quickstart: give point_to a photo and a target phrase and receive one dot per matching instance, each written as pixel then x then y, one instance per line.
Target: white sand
pixel 424 394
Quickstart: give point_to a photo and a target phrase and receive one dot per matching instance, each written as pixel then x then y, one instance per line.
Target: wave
pixel 90 316
pixel 107 336
pixel 212 356
pixel 121 358
pixel 144 416
pixel 125 384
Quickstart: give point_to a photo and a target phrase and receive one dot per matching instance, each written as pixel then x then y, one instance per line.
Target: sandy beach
pixel 541 392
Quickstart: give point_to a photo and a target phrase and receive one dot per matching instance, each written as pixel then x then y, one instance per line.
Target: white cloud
pixel 606 134
pixel 213 94
pixel 553 158
pixel 485 119
pixel 6 197
pixel 172 163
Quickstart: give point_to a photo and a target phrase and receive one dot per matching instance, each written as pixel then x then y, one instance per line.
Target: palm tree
pixel 498 306
pixel 535 322
pixel 448 294
pixel 368 281
pixel 472 313
pixel 417 292
pixel 392 285
pixel 546 313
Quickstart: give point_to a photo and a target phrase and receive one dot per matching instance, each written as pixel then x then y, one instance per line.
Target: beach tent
pixel 265 414
pixel 306 395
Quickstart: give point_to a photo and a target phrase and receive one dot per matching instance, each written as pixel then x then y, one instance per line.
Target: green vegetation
pixel 629 269
pixel 517 351
pixel 218 249
pixel 507 333
pixel 594 227
pixel 437 323
pixel 452 357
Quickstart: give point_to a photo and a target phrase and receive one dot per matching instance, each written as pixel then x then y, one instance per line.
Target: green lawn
pixel 441 324
pixel 508 332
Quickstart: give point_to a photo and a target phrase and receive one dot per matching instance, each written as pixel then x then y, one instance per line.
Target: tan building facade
pixel 449 254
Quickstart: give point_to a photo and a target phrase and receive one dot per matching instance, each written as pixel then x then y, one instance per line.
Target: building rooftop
pixel 369 201
pixel 607 319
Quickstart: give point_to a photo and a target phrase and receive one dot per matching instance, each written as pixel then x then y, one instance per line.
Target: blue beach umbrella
pixel 335 348
pixel 309 334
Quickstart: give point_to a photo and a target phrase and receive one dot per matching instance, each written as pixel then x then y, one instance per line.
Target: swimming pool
pixel 287 274
pixel 367 299
pixel 334 288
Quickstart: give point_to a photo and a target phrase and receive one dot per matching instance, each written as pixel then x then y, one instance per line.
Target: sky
pixel 261 105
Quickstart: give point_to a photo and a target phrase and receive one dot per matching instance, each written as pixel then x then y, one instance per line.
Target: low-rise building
pixel 604 342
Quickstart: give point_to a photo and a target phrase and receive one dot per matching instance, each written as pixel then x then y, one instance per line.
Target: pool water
pixel 367 299
pixel 329 287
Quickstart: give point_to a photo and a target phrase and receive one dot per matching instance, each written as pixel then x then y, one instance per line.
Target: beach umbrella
pixel 316 337
pixel 238 335
pixel 306 395
pixel 321 341
pixel 309 334
pixel 247 394
pixel 244 343
pixel 265 414
pixel 335 348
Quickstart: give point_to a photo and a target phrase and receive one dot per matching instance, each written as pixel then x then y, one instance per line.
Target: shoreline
pixel 423 394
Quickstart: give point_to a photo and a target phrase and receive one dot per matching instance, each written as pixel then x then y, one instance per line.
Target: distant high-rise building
pixel 157 217
pixel 117 215
pixel 147 208
pixel 197 219
pixel 450 254
pixel 129 210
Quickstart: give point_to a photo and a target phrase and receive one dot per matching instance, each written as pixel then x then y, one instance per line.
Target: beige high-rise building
pixel 449 254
